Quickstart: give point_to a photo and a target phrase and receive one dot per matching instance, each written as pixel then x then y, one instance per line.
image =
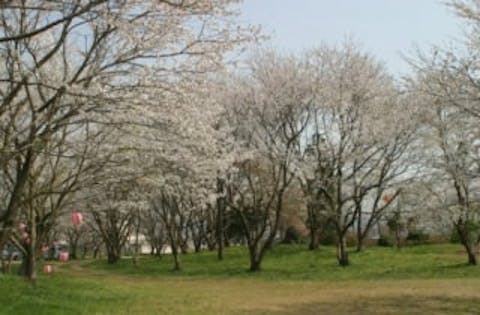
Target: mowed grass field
pixel 430 279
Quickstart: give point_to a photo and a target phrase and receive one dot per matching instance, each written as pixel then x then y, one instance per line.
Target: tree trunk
pixel 28 267
pixel 73 249
pixel 137 242
pixel 219 229
pixel 342 254
pixel 256 255
pixel 32 268
pixel 398 238
pixel 176 259
pixel 84 252
pixel 24 266
pixel 314 240
pixel 211 246
pixel 226 240
pixel 360 234
pixel 7 265
pixel 95 252
pixel 158 251
pixel 11 213
pixel 255 265
pixel 197 246
pixel 312 225
pixel 112 258
pixel 465 240
pixel 359 245
pixel 113 254
pixel 472 259
pixel 184 248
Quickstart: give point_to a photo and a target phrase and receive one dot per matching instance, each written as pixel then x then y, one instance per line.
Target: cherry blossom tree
pixel 446 81
pixel 453 155
pixel 354 144
pixel 268 110
pixel 65 166
pixel 65 64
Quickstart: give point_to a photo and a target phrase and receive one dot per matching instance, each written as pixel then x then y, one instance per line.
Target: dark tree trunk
pixel 360 235
pixel 472 258
pixel 73 249
pixel 360 243
pixel 256 256
pixel 342 254
pixel 11 213
pixel 7 265
pixel 255 265
pixel 184 248
pixel 32 267
pixel 113 254
pixel 211 244
pixel 314 240
pixel 398 238
pixel 197 236
pixel 28 267
pixel 85 251
pixel 176 259
pixel 95 252
pixel 112 258
pixel 313 227
pixel 137 242
pixel 219 229
pixel 463 233
pixel 197 246
pixel 25 263
pixel 226 240
pixel 158 251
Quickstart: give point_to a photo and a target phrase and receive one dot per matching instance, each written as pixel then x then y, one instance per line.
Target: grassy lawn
pixel 422 279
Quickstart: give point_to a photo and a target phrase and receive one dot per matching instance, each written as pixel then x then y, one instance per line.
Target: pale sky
pixel 385 28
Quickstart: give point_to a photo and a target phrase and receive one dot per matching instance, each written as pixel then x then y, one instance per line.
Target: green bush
pixel 454 237
pixel 292 236
pixel 328 235
pixel 417 237
pixel 384 241
pixel 351 240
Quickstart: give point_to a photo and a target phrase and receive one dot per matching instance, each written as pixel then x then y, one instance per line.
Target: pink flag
pixel 63 256
pixel 77 218
pixel 47 269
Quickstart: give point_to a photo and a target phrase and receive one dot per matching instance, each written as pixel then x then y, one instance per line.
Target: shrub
pixel 384 241
pixel 351 240
pixel 328 237
pixel 454 237
pixel 292 236
pixel 417 237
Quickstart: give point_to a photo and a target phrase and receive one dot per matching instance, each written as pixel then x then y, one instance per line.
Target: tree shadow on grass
pixel 456 266
pixel 439 305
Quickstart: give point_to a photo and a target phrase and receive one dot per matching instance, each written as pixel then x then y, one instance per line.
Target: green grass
pixel 58 294
pixel 293 262
pixel 431 279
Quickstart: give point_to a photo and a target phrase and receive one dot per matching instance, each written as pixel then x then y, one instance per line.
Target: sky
pixel 385 28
